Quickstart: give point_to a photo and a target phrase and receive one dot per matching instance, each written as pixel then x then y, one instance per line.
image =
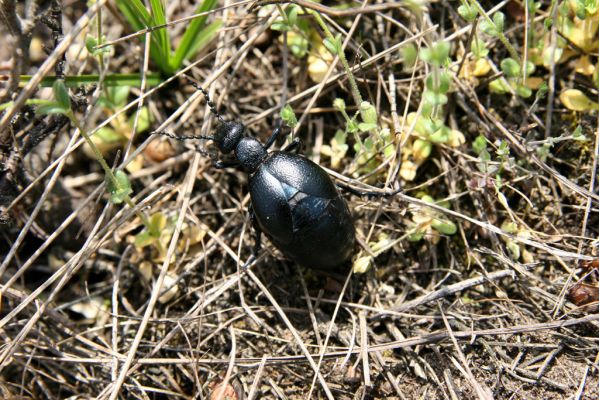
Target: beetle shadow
pixel 300 291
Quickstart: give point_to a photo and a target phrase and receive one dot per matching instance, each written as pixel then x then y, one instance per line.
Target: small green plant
pixel 429 223
pixel 196 36
pixel 428 128
pixel 118 184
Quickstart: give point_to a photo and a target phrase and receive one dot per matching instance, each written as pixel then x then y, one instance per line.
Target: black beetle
pixel 293 200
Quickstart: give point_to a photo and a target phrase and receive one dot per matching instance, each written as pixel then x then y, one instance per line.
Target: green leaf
pixel 280 25
pixel 288 116
pixel 144 239
pixel 499 19
pixel 499 86
pixel 479 144
pixel 437 54
pixel 50 107
pixel 530 68
pixel 510 67
pixel 435 99
pixel 479 48
pixel 298 45
pixel 441 135
pixel 416 236
pixel 61 94
pixel 578 135
pixel 409 54
pixel 339 104
pixel 488 28
pixel 108 135
pixel 523 91
pixel 292 12
pixel 366 127
pixel 120 189
pixel 114 97
pixel 196 36
pixel 90 43
pixel 157 224
pixel 443 226
pixel 6 105
pixel 368 113
pixel 467 12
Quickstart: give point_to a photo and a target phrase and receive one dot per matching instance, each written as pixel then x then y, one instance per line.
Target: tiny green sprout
pixel 503 150
pixel 499 86
pixel 152 233
pixel 444 227
pixel 121 190
pixel 368 113
pixel 468 12
pixel 339 104
pixel 544 151
pixel 523 91
pixel 288 116
pixel 499 20
pixel 61 103
pixel 479 144
pixel 61 94
pixel 409 54
pixel 91 43
pixel 435 55
pixel 286 22
pixel 495 27
pixel 434 98
pixel 541 91
pixel 441 135
pixel 479 48
pixel 578 135
pixel 442 85
pixel 510 67
pixel 585 8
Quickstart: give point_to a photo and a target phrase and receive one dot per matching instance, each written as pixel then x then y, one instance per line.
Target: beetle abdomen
pixel 323 233
pixel 298 207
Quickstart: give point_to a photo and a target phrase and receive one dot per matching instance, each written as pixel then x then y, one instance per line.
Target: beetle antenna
pixel 182 138
pixel 207 97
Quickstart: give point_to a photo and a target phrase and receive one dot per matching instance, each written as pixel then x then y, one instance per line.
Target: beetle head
pixel 250 153
pixel 228 135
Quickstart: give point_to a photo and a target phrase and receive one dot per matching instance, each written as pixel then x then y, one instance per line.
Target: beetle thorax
pixel 250 153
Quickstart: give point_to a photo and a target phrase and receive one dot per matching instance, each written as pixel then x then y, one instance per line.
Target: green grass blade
pixel 195 36
pixel 109 80
pixel 159 18
pixel 135 13
pixel 140 18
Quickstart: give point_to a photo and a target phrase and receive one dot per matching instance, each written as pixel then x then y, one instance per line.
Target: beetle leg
pixel 257 240
pixel 294 146
pixel 257 231
pixel 368 193
pixel 273 136
pixel 225 164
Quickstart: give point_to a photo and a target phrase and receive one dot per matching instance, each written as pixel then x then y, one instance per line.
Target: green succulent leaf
pixel 120 189
pixel 288 116
pixel 61 94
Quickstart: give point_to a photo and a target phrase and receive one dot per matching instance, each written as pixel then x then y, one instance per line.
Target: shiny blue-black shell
pixel 299 208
